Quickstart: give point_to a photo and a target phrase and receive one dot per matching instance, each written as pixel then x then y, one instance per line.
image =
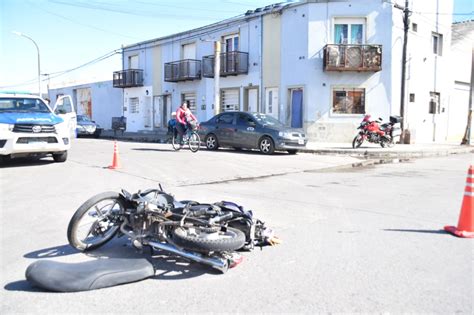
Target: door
pixel 231 44
pixel 296 108
pixel 271 102
pixel 64 108
pixel 245 135
pixel 224 128
pixel 158 112
pixel 252 100
pixel 162 110
pixel 189 51
pixel 133 62
pixel 84 102
pixel 147 113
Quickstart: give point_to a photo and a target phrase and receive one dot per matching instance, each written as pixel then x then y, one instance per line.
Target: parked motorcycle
pixel 375 131
pixel 205 233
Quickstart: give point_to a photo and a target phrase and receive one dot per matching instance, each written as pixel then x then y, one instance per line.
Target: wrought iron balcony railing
pixel 183 70
pixel 128 78
pixel 352 57
pixel 232 63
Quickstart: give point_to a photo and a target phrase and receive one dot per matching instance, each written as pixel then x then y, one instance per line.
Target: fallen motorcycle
pixel 205 233
pixel 375 132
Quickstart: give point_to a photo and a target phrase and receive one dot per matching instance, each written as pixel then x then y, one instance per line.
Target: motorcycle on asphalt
pixel 375 131
pixel 206 233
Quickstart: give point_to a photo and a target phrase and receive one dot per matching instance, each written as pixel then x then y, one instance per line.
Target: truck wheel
pixel 60 157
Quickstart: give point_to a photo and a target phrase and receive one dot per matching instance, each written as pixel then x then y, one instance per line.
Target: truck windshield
pixel 23 105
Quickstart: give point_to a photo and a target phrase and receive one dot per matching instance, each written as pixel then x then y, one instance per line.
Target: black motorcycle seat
pixel 90 275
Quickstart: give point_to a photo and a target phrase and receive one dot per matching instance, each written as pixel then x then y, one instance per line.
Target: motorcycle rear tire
pixel 86 209
pixel 230 240
pixel 357 142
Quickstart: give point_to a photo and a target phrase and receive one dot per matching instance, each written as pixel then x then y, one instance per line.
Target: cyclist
pixel 184 120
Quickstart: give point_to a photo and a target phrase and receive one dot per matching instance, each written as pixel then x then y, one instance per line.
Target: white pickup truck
pixel 29 127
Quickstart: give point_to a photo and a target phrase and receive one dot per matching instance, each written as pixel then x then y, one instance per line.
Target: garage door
pixel 230 100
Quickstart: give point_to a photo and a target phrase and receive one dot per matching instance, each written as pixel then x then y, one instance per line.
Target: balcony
pixel 183 70
pixel 232 63
pixel 353 58
pixel 128 78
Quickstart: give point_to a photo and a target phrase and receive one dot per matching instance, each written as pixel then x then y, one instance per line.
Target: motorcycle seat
pixel 89 275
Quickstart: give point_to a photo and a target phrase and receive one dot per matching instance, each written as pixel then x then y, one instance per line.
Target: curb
pixel 356 153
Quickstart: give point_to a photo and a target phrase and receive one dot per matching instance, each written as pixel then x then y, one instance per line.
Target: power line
pixel 80 23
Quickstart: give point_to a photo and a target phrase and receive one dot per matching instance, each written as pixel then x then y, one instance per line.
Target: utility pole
pixel 406 27
pixel 466 140
pixel 217 72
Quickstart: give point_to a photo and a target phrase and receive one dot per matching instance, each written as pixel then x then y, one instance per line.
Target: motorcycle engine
pixel 373 137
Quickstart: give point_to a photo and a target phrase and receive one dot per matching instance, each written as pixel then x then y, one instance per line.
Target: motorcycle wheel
pixel 91 227
pixel 387 143
pixel 203 240
pixel 357 142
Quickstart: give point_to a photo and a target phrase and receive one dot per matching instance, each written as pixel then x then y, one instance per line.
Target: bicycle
pixel 190 138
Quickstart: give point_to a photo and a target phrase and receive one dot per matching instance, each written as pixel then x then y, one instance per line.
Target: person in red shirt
pixel 184 120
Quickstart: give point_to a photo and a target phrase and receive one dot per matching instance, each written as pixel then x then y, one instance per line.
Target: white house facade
pixel 319 65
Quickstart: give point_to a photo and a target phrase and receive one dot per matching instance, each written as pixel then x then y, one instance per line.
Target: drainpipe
pixel 261 67
pixel 466 140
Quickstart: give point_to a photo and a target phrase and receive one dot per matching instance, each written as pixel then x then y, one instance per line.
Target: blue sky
pixel 70 33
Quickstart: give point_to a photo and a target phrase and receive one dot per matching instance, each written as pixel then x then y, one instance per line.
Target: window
pixel 231 43
pixel 245 120
pixel 412 97
pixel 348 101
pixel 437 42
pixel 434 107
pixel 225 119
pixel 349 31
pixel 133 62
pixel 190 99
pixel 414 27
pixel 134 105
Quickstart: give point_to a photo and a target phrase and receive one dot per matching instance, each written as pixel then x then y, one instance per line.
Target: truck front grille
pixel 32 128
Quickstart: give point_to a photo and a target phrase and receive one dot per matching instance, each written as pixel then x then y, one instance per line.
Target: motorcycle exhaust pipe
pixel 220 264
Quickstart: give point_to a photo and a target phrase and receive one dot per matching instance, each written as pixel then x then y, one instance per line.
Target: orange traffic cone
pixel 116 160
pixel 465 226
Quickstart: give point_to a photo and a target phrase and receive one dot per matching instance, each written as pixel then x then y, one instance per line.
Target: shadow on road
pixel 417 231
pixel 233 151
pixel 57 251
pixel 167 267
pixel 22 162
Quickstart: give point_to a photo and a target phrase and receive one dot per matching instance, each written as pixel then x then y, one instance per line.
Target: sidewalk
pixel 367 150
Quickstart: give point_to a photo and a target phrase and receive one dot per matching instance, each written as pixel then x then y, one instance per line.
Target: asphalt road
pixel 355 239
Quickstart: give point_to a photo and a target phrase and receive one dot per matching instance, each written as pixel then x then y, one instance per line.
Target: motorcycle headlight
pixel 6 127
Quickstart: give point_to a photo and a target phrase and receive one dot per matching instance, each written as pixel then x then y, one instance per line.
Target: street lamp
pixel 39 67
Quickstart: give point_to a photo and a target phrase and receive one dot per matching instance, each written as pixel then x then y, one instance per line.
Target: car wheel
pixel 266 145
pixel 211 142
pixel 60 157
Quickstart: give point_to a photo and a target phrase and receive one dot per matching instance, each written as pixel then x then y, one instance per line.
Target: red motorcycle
pixel 376 132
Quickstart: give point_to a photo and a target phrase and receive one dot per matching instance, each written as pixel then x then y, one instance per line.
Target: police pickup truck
pixel 29 127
